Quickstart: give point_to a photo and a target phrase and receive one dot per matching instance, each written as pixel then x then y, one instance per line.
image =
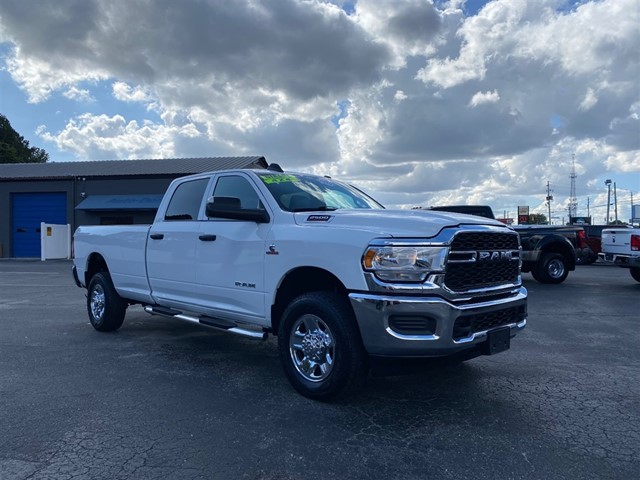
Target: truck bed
pixel 123 248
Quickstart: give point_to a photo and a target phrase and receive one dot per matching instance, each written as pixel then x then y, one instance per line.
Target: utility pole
pixel 615 200
pixel 607 182
pixel 573 199
pixel 588 211
pixel 549 199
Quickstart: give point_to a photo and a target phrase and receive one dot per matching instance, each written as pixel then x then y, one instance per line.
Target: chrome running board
pixel 216 323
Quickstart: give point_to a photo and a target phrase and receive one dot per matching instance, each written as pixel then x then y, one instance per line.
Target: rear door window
pixel 186 200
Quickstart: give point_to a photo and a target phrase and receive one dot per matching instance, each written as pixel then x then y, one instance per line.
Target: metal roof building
pixel 90 193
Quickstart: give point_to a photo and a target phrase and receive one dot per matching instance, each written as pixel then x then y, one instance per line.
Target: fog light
pixel 412 325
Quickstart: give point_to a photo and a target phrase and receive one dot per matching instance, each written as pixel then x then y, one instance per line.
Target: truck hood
pixel 392 223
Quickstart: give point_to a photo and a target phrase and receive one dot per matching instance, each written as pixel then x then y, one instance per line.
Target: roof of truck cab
pixel 114 168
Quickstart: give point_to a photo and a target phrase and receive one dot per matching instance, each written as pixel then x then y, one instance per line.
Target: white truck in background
pixel 340 280
pixel 621 245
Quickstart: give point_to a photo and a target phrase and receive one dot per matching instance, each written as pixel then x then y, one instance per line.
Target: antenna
pixel 573 200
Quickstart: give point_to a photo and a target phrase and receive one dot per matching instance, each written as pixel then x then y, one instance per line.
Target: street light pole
pixel 607 182
pixel 615 201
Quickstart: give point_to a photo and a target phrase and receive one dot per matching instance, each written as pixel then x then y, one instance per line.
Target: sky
pixel 418 102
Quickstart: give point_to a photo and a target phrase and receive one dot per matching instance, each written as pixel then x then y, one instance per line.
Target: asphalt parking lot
pixel 161 399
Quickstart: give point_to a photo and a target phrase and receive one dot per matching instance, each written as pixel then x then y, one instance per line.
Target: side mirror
pixel 229 207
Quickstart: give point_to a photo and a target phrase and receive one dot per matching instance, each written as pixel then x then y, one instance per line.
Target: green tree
pixel 15 149
pixel 537 219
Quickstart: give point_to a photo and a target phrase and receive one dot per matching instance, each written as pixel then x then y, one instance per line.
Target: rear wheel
pixel 635 273
pixel 587 259
pixel 105 307
pixel 552 268
pixel 320 346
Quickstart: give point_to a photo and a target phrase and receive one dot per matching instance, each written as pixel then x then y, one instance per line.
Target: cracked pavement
pixel 161 399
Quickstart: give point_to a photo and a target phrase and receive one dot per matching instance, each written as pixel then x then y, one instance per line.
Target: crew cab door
pixel 171 246
pixel 230 254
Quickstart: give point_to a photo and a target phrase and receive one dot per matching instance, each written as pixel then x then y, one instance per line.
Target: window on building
pixel 186 200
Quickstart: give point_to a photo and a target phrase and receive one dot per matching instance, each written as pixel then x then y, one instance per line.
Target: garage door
pixel 27 211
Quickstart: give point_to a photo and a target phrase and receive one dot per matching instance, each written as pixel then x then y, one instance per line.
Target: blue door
pixel 27 211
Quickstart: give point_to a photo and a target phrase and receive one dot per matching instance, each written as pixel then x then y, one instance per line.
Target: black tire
pixel 320 346
pixel 552 268
pixel 105 307
pixel 587 259
pixel 635 273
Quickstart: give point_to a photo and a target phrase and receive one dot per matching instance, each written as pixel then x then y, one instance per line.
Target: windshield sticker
pixel 319 218
pixel 269 179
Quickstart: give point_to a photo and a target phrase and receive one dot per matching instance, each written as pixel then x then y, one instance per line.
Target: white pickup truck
pixel 340 280
pixel 621 245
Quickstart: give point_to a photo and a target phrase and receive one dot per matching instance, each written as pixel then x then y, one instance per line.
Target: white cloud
pixel 400 96
pixel 104 137
pixel 590 99
pixel 623 162
pixel 126 93
pixel 596 36
pixel 39 79
pixel 362 128
pixel 79 94
pixel 482 98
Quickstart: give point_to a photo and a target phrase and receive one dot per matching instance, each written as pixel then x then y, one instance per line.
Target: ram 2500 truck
pixel 339 279
pixel 621 245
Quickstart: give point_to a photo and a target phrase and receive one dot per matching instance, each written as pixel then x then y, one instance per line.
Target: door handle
pixel 207 238
pixel 156 236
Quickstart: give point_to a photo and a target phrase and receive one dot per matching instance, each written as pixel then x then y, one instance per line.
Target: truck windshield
pixel 306 193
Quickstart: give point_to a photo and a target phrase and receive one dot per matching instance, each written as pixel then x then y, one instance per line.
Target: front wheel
pixel 552 268
pixel 320 346
pixel 635 273
pixel 105 307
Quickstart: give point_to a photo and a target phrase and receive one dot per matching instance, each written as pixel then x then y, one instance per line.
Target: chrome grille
pixel 482 260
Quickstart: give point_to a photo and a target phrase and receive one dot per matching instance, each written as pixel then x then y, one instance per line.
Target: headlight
pixel 404 264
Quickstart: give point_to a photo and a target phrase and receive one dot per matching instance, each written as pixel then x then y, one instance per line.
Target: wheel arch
pixel 563 247
pixel 95 264
pixel 302 280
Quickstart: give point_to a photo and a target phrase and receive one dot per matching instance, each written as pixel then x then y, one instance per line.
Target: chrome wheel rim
pixel 97 302
pixel 312 348
pixel 556 268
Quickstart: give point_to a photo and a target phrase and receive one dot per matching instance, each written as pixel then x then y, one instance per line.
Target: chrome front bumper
pixel 373 312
